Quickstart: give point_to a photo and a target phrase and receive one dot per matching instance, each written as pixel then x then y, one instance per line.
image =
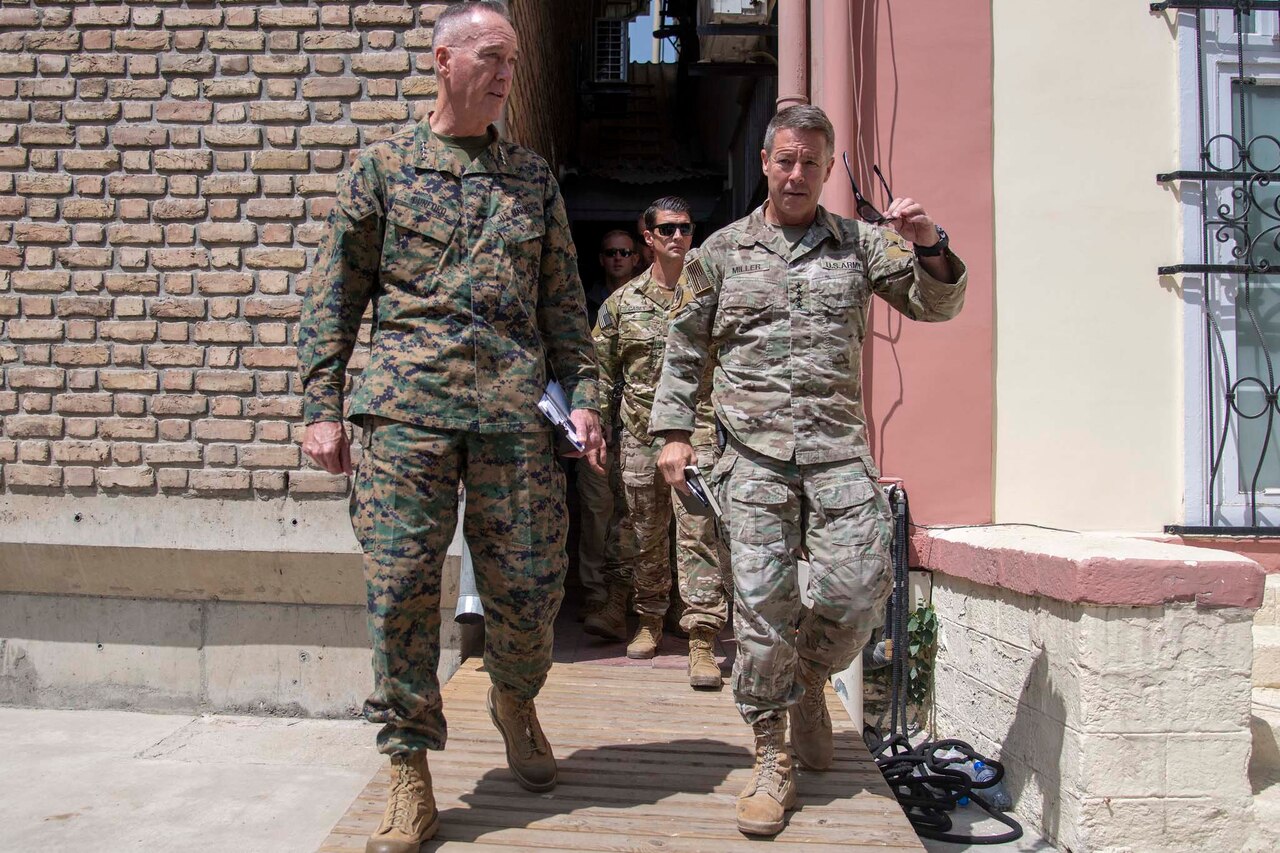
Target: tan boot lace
pixel 532 740
pixel 403 796
pixel 700 651
pixel 814 702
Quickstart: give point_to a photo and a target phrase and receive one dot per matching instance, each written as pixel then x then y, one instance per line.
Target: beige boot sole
pixel 375 846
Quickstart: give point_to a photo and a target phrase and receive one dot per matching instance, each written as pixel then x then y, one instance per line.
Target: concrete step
pixel 1266 655
pixel 1269 612
pixel 1264 763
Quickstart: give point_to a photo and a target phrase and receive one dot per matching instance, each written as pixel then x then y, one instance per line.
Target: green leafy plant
pixel 922 643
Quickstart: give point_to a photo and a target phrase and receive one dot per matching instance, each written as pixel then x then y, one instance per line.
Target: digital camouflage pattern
pixel 846 530
pixel 630 335
pixel 473 279
pixel 788 325
pixel 404 510
pixel 702 561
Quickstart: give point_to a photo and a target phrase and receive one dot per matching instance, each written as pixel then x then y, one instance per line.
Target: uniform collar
pixel 651 290
pixel 758 230
pixel 430 153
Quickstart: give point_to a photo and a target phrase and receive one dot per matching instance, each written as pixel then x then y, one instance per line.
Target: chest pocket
pixel 417 239
pixel 641 337
pixel 750 321
pixel 837 293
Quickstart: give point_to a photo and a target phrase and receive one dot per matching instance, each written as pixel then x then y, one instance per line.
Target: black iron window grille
pixel 1234 271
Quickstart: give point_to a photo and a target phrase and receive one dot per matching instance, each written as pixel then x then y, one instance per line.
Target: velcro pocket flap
pixel 846 495
pixel 759 492
pixel 426 222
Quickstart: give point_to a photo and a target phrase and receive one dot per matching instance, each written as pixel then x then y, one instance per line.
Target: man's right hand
pixel 677 453
pixel 327 444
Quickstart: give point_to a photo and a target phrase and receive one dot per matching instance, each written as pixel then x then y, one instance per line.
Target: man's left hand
pixel 908 218
pixel 587 424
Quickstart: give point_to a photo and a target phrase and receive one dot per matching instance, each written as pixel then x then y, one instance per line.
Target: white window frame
pixel 1230 504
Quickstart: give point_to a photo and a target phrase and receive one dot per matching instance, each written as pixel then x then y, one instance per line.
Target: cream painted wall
pixel 1089 419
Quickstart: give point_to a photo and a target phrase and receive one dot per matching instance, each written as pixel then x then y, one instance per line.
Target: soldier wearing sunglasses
pixel 782 298
pixel 602 516
pixel 630 334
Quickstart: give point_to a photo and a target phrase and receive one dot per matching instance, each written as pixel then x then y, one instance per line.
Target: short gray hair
pixel 455 15
pixel 801 117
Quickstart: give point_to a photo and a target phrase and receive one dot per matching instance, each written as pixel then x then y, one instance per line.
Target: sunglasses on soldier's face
pixel 617 253
pixel 669 229
pixel 866 209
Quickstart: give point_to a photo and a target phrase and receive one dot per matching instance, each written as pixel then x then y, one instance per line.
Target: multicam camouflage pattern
pixel 604 527
pixel 474 284
pixel 788 325
pixel 630 335
pixel 845 528
pixel 403 511
pixel 702 561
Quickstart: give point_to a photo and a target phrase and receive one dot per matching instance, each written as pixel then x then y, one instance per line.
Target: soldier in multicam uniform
pixel 460 242
pixel 630 334
pixel 603 522
pixel 782 296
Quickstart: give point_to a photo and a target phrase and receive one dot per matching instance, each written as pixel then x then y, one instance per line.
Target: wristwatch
pixel 938 248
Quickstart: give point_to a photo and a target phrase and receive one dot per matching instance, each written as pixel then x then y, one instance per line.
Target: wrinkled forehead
pixel 808 143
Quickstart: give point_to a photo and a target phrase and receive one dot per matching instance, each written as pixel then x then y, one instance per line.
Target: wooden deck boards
pixel 646 764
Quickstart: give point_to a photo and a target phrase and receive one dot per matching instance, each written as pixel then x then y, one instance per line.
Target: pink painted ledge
pixel 1091 568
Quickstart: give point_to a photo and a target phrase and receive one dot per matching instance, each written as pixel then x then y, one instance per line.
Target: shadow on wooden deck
pixel 646 764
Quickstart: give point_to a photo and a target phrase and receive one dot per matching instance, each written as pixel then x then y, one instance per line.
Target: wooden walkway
pixel 646 764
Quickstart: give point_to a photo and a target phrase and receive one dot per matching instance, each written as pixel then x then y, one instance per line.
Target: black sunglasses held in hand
pixel 866 209
pixel 669 229
pixel 617 253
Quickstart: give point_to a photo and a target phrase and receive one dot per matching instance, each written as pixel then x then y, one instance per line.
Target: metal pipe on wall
pixel 837 96
pixel 793 53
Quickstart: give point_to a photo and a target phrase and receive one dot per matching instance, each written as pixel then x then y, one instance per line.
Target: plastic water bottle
pixel 996 796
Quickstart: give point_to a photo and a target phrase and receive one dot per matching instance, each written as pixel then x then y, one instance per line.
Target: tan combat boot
pixel 610 619
pixel 411 816
pixel 810 720
pixel 703 669
pixel 644 644
pixel 528 753
pixel 763 804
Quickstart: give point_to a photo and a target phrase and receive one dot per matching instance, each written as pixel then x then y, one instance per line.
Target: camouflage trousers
pixel 604 526
pixel 701 558
pixel 835 515
pixel 404 510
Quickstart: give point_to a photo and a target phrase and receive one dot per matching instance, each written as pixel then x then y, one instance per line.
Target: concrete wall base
pixel 1120 727
pixel 191 656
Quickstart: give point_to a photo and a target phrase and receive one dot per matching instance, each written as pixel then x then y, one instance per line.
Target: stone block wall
pixel 166 167
pixel 1121 728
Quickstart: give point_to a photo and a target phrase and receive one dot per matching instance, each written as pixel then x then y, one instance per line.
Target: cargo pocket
pixel 756 510
pixel 851 513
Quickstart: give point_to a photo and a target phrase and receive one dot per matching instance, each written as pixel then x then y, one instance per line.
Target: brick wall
pixel 541 111
pixel 165 171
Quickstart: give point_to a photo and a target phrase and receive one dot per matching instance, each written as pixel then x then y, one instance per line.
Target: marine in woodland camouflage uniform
pixel 787 315
pixel 630 336
pixel 472 278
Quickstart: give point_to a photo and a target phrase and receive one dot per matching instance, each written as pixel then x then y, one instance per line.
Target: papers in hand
pixel 556 407
pixel 703 501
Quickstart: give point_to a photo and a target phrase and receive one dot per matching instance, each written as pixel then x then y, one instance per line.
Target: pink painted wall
pixel 925 115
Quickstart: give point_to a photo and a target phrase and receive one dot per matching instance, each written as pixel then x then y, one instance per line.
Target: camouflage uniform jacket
pixel 788 324
pixel 630 336
pixel 474 283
